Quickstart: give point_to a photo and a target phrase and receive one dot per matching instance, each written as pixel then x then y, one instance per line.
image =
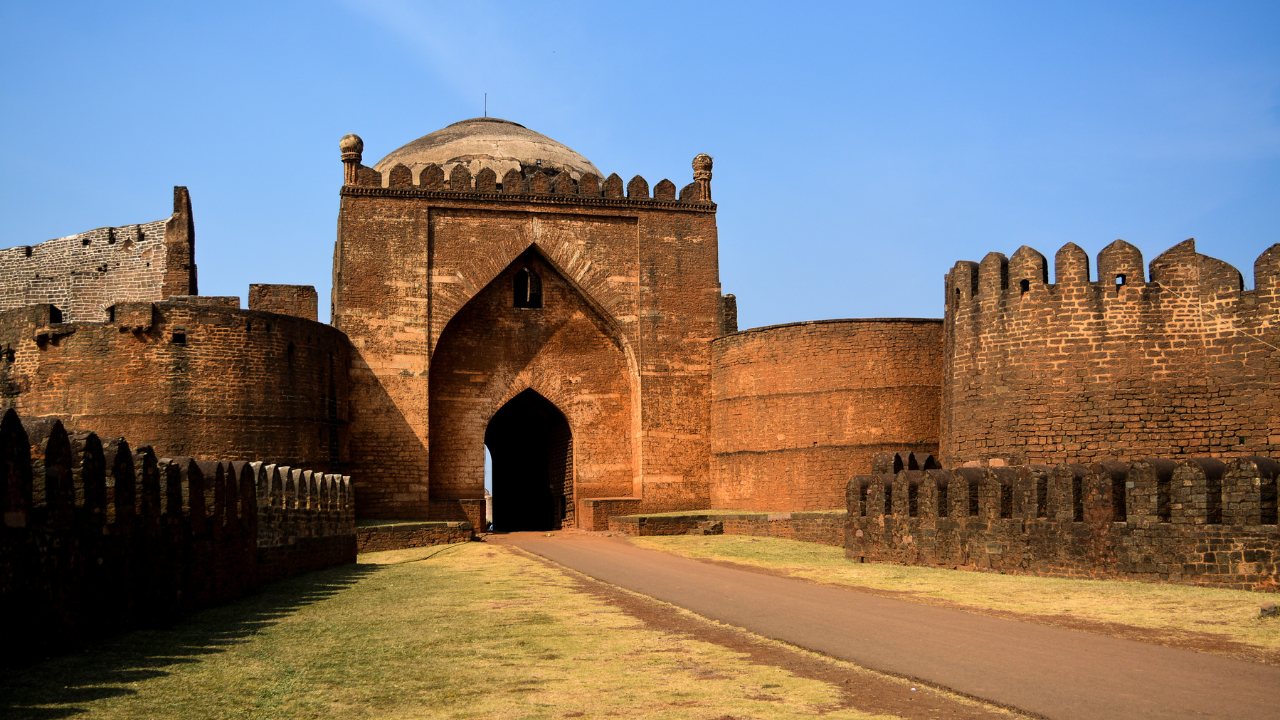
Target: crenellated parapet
pixel 1190 520
pixel 530 183
pixel 99 535
pixel 1177 358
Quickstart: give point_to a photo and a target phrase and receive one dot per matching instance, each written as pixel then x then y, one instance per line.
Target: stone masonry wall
pixel 1187 363
pixel 188 379
pixel 641 269
pixel 824 528
pixel 796 409
pixel 84 274
pixel 100 536
pixel 300 301
pixel 1194 520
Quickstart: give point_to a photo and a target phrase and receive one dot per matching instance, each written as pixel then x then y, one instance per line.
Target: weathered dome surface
pixel 488 143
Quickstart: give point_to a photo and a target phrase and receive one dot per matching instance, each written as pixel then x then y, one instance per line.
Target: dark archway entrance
pixel 532 450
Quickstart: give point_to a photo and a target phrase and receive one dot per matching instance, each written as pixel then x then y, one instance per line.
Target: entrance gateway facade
pixel 499 290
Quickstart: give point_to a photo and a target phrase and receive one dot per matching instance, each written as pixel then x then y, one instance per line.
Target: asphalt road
pixel 1049 671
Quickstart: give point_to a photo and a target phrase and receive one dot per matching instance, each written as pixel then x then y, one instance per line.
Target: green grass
pixel 456 631
pixel 1164 607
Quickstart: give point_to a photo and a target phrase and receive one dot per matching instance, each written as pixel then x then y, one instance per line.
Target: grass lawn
pixel 1168 608
pixel 466 630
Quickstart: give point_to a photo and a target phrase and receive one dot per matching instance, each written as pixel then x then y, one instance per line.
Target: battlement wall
pixel 529 184
pixel 796 408
pixel 1182 361
pixel 86 273
pixel 100 536
pixel 187 378
pixel 1191 520
pixel 300 301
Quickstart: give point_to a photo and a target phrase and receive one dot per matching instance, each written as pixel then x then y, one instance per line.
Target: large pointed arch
pixel 568 352
pixel 531 443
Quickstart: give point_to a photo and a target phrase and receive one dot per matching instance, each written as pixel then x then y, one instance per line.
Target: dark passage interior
pixel 532 450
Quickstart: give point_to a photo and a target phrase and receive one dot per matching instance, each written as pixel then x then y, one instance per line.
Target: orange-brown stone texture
pixel 1186 362
pixel 424 275
pixel 796 409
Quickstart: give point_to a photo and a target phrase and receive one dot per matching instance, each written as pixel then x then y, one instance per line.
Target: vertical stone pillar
pixel 352 147
pixel 702 175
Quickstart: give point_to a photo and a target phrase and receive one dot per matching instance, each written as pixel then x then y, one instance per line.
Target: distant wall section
pixel 84 274
pixel 798 409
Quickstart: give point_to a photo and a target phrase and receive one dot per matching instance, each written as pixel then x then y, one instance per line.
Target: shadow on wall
pixel 115 667
pixel 392 460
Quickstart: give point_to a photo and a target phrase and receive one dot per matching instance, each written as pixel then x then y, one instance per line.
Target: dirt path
pixel 1044 670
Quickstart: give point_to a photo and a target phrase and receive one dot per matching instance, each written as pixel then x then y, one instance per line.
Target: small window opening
pixel 1119 280
pixel 1077 499
pixel 1026 286
pixel 9 354
pixel 528 289
pixel 179 336
pixel 85 242
pixel 28 249
pixel 111 314
pixel 888 499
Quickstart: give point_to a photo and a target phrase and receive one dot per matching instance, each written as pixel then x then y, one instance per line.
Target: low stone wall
pixel 825 528
pixel 98 537
pixel 400 536
pixel 1197 521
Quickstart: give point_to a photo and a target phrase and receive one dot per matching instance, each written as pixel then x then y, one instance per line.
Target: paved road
pixel 1053 672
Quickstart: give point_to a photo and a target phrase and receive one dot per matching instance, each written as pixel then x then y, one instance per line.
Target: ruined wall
pixel 299 301
pixel 796 409
pixel 410 256
pixel 84 274
pixel 1194 520
pixel 100 536
pixel 1187 363
pixel 188 379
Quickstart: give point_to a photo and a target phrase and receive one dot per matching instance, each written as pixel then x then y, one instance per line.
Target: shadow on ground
pixel 108 667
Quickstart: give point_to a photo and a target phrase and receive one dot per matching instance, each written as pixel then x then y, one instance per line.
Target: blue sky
pixel 860 149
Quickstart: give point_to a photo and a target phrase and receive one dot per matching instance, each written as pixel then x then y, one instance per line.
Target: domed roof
pixel 488 142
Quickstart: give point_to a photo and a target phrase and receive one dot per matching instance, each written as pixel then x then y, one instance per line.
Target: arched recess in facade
pixel 567 351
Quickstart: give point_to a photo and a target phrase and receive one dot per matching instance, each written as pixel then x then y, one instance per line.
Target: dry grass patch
pixel 456 631
pixel 1167 608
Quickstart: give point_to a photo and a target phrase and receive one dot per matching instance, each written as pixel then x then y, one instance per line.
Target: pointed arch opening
pixel 531 446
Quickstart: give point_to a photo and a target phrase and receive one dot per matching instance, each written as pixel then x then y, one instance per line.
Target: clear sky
pixel 860 148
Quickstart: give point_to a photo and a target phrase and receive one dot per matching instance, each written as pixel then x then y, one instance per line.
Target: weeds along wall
pixel 1185 363
pixel 797 408
pixel 1192 520
pixel 86 273
pixel 100 536
pixel 633 273
pixel 197 377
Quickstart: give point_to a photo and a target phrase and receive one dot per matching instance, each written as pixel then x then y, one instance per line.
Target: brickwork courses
pixel 100 536
pixel 298 301
pixel 401 536
pixel 1187 363
pixel 796 409
pixel 632 278
pixel 197 377
pixel 1193 520
pixel 824 528
pixel 84 274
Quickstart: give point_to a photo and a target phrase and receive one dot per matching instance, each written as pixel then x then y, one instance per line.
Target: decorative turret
pixel 702 175
pixel 352 147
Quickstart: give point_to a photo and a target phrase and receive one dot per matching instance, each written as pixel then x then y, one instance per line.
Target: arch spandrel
pixel 594 254
pixel 568 351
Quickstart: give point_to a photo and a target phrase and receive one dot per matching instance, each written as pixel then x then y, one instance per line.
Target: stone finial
pixel 352 147
pixel 702 175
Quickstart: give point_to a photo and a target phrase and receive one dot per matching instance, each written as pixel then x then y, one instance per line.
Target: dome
pixel 500 145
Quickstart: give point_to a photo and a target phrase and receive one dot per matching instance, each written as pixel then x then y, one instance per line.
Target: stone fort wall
pixel 796 409
pixel 86 273
pixel 1191 520
pixel 414 251
pixel 99 535
pixel 200 378
pixel 1184 363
